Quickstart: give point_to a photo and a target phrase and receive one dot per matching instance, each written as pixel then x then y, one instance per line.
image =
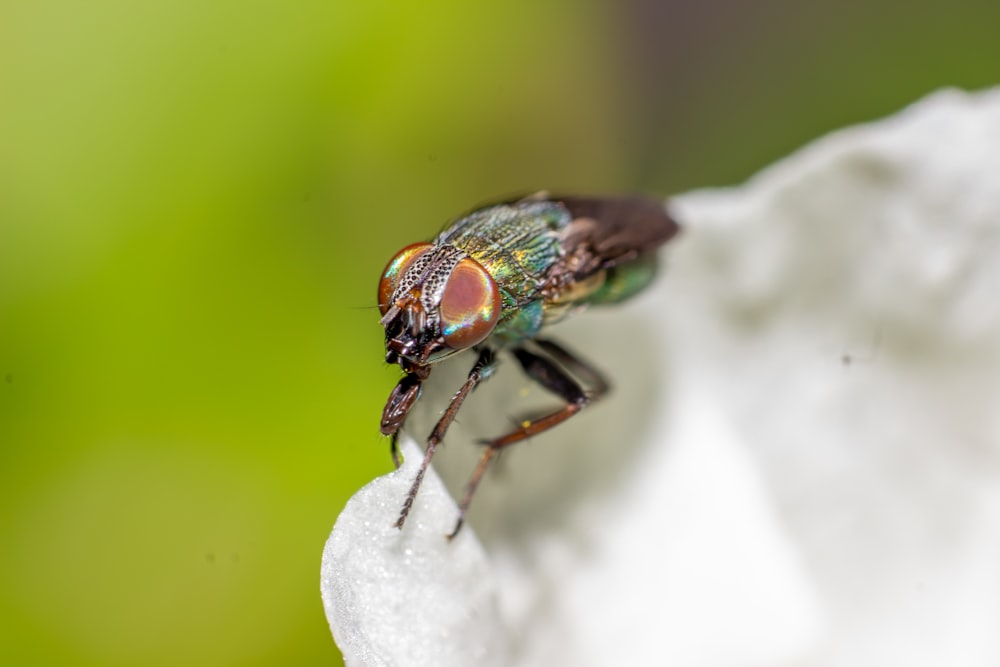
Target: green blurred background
pixel 196 199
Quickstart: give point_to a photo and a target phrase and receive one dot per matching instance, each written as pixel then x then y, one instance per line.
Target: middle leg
pixel 544 369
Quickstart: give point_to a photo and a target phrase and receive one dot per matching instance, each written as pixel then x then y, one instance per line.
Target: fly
pixel 493 281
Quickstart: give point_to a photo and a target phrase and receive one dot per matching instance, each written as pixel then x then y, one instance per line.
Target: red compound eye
pixel 470 305
pixel 395 270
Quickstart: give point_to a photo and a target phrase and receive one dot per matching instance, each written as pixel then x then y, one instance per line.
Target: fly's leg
pixel 397 460
pixel 402 398
pixel 598 384
pixel 482 369
pixel 550 371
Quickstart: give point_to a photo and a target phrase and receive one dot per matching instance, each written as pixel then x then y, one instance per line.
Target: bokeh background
pixel 196 199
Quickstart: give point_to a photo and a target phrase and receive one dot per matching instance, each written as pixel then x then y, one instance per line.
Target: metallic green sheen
pixel 517 244
pixel 625 281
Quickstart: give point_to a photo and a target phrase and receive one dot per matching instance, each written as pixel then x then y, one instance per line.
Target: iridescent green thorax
pixel 517 244
pixel 545 258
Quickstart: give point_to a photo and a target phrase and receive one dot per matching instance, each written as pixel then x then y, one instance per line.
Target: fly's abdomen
pixel 625 281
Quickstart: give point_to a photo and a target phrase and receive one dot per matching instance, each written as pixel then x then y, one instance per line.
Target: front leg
pixel 544 369
pixel 402 398
pixel 482 369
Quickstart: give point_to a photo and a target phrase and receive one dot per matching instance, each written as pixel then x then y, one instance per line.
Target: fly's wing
pixel 608 231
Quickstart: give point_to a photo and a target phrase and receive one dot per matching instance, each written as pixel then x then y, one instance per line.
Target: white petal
pixel 800 462
pixel 409 597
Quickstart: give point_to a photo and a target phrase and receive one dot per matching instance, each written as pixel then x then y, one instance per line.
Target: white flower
pixel 800 464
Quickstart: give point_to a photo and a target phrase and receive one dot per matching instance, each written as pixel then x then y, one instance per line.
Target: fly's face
pixel 435 301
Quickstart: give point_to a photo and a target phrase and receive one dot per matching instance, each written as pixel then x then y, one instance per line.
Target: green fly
pixel 491 282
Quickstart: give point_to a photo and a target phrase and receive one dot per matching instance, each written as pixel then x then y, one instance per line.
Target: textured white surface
pixel 800 464
pixel 409 597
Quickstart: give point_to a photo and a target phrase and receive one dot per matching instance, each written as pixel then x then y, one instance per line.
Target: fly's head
pixel 435 301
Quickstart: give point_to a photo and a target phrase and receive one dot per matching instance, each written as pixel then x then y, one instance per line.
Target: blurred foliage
pixel 196 200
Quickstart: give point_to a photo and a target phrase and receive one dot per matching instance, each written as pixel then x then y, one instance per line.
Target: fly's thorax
pixel 517 243
pixel 435 300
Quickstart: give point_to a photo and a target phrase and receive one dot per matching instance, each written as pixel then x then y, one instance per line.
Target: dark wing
pixel 614 230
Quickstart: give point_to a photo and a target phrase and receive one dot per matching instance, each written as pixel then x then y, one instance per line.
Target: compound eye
pixel 470 305
pixel 395 270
